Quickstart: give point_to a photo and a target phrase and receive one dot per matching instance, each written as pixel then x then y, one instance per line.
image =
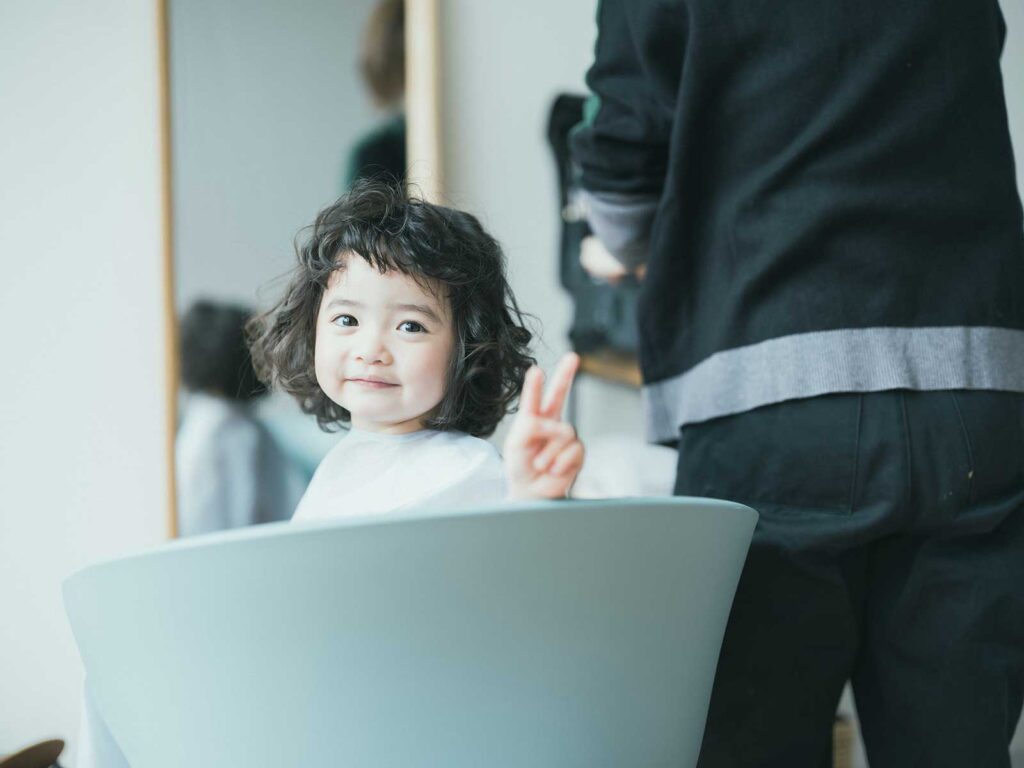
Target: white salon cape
pixel 366 473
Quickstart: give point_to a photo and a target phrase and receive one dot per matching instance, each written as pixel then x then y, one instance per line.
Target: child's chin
pixel 374 419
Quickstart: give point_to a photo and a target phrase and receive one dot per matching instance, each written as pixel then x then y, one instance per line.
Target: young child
pixel 398 320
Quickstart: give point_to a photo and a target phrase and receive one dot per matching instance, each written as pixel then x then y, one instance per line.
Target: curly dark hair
pixel 431 243
pixel 213 352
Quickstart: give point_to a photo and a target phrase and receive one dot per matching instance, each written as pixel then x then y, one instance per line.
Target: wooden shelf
pixel 616 367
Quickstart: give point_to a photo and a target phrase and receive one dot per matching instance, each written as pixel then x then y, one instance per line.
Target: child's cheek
pixel 323 369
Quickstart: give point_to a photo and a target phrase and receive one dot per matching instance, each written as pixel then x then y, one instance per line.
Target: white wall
pixel 503 65
pixel 81 398
pixel 267 102
pixel 1013 82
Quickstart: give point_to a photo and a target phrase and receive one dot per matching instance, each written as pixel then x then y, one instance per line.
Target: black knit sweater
pixel 825 175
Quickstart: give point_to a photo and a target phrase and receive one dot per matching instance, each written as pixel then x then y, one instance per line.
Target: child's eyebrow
pixel 423 309
pixel 343 303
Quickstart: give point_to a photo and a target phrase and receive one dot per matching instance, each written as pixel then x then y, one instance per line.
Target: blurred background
pixel 271 113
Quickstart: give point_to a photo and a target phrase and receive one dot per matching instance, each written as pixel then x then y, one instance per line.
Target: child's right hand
pixel 542 453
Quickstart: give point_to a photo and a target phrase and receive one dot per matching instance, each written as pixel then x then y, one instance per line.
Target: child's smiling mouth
pixel 372 382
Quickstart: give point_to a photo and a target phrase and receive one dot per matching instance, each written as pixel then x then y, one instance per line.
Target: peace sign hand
pixel 542 453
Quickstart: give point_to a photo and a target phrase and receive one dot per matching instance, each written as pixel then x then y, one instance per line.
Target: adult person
pixel 381 153
pixel 832 330
pixel 230 470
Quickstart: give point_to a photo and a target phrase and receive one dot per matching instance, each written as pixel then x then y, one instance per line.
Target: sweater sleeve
pixel 622 145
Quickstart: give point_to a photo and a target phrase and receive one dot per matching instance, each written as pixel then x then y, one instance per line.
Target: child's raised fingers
pixel 561 383
pixel 569 460
pixel 531 428
pixel 533 387
pixel 560 435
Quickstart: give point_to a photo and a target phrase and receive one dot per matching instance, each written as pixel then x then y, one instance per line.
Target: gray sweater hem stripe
pixel 828 362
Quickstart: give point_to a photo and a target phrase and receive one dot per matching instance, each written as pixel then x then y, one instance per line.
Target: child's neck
pixel 376 436
pixel 410 426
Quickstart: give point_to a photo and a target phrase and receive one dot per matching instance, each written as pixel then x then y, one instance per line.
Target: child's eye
pixel 346 321
pixel 411 326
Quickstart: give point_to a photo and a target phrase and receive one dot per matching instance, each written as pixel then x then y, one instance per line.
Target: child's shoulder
pixel 454 445
pixel 432 455
pixel 463 443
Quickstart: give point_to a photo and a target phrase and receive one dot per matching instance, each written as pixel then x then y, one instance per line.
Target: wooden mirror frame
pixel 423 147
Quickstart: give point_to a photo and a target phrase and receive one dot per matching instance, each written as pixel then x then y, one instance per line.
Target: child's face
pixel 383 345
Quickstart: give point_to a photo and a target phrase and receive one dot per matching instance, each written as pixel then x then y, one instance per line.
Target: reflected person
pixel 381 153
pixel 230 470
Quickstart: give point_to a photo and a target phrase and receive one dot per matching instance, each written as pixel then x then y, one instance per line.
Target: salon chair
pixel 546 634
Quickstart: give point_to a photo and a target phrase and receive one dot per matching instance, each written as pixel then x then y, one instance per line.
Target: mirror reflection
pixel 276 109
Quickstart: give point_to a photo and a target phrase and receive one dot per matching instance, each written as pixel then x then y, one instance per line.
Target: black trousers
pixel 889 552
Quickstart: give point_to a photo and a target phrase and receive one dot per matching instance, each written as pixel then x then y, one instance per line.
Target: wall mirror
pixel 273 107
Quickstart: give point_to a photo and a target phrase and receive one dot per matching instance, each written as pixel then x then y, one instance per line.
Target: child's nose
pixel 371 348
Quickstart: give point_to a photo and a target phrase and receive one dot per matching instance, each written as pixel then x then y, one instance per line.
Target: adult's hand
pixel 599 263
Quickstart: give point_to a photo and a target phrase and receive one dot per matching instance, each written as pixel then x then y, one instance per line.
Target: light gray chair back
pixel 547 635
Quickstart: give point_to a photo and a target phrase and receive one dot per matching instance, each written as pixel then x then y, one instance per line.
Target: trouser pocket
pixel 800 454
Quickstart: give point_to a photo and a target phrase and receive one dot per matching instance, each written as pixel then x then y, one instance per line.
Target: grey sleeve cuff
pixel 622 223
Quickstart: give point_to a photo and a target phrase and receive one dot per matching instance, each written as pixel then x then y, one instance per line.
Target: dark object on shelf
pixel 604 316
pixel 41 755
